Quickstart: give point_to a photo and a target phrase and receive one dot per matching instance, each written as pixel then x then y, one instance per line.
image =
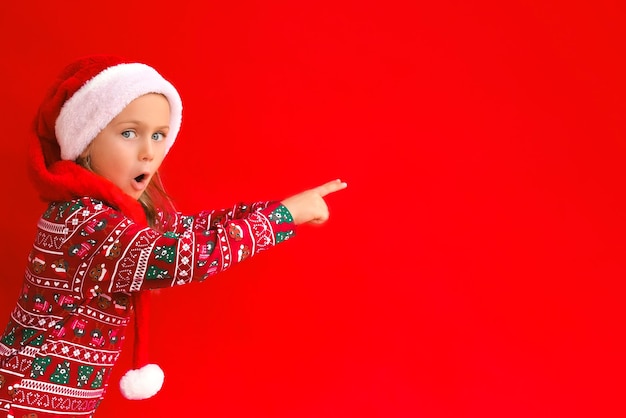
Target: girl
pixel 110 234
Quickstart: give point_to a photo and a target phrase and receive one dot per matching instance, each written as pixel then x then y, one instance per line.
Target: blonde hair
pixel 157 204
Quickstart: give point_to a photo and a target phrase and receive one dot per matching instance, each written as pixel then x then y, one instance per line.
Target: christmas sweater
pixel 66 330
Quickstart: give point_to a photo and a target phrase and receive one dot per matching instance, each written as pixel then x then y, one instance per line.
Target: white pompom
pixel 142 383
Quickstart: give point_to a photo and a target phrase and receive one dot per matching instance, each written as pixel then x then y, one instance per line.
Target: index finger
pixel 331 187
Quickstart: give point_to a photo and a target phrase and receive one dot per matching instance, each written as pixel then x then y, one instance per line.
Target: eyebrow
pixel 136 122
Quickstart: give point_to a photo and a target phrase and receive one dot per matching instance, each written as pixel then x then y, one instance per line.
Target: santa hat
pixel 145 379
pixel 88 94
pixel 94 90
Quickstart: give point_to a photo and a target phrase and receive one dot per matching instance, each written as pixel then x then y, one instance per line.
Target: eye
pixel 158 136
pixel 129 134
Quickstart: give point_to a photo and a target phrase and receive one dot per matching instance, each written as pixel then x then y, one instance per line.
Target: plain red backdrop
pixel 474 267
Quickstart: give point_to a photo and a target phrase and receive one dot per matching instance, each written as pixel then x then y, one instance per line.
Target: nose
pixel 146 150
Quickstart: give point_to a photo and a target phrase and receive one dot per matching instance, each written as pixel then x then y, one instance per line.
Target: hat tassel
pixel 145 379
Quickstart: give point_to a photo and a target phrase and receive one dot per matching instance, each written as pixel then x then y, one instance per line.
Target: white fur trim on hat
pixel 102 98
pixel 142 383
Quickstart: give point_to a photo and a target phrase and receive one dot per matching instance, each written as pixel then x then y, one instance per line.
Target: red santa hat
pixel 145 379
pixel 88 94
pixel 94 90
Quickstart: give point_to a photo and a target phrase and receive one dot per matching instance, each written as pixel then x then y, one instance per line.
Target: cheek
pixel 160 154
pixel 108 163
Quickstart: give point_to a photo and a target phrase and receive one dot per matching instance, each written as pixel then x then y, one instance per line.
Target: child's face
pixel 131 148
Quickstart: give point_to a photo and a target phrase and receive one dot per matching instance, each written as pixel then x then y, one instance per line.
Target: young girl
pixel 110 234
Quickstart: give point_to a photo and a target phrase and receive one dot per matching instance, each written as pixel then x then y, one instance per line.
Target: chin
pixel 134 194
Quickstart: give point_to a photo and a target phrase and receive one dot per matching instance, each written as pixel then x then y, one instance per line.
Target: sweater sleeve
pixel 117 255
pixel 179 222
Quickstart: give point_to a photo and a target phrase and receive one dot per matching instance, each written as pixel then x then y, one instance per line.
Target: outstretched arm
pixel 309 205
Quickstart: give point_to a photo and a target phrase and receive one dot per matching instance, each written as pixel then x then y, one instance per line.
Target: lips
pixel 141 181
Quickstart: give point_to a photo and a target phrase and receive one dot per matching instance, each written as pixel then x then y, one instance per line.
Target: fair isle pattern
pixel 103 316
pixel 140 271
pixel 67 329
pixel 43 397
pixel 263 232
pixel 57 282
pixel 20 363
pixel 225 247
pixel 50 236
pixel 185 257
pixel 75 352
pixel 79 217
pixel 133 265
pixel 31 320
pixel 59 390
pixel 52 228
pixel 5 351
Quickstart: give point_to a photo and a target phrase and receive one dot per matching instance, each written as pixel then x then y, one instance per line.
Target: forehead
pixel 149 107
pixel 150 100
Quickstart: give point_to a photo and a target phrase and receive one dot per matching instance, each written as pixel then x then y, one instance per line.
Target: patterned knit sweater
pixel 66 330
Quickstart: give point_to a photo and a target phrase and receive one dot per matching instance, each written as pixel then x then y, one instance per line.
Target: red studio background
pixel 474 267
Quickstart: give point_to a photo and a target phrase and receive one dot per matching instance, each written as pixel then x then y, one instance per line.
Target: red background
pixel 474 267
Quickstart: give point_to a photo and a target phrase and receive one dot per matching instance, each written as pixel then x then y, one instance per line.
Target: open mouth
pixel 140 178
